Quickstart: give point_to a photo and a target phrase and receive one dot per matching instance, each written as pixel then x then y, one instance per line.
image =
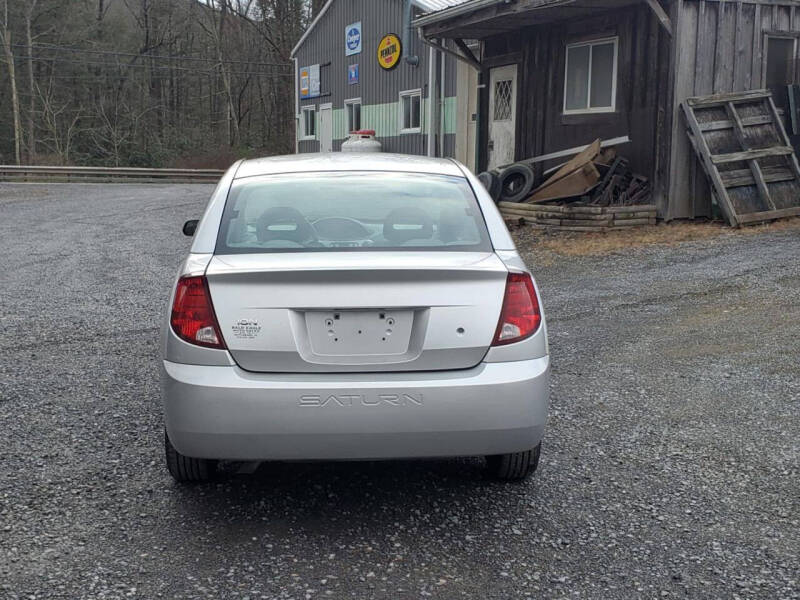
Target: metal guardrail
pixel 12 173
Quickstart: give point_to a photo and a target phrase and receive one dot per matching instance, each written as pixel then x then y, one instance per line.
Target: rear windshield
pixel 306 212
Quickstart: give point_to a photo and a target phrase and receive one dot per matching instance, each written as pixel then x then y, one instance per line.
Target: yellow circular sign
pixel 389 51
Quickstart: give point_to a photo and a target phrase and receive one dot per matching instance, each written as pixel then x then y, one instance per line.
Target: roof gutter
pixel 455 11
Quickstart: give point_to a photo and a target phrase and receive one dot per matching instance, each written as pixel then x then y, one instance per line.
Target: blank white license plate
pixel 359 333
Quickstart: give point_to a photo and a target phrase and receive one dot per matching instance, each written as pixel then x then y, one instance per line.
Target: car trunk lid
pixel 357 311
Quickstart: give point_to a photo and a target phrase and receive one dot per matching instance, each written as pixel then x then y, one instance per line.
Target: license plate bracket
pixel 359 332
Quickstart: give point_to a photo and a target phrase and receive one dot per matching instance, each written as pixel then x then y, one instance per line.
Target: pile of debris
pixel 594 177
pixel 594 191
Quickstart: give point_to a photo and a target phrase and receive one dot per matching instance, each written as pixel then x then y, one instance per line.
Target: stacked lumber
pixel 597 177
pixel 579 217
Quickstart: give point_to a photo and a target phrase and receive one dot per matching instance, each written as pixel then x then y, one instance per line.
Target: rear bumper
pixel 228 413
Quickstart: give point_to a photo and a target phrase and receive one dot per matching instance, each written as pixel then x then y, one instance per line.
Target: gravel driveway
pixel 670 469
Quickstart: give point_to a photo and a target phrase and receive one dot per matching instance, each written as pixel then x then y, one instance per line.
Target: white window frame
pixel 590 110
pixel 304 134
pixel 408 94
pixel 347 103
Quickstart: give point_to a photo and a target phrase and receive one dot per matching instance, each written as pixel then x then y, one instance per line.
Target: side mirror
pixel 190 227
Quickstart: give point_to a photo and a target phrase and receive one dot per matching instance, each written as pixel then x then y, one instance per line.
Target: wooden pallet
pixel 746 155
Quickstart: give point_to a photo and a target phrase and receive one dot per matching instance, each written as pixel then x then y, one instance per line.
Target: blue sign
pixel 352 39
pixel 352 74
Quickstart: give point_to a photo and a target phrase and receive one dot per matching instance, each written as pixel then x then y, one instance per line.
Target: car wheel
pixel 185 469
pixel 516 466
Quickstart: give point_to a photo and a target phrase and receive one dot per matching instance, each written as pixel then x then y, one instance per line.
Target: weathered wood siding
pixel 719 47
pixel 642 87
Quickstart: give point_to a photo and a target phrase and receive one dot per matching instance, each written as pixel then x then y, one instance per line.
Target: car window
pixel 352 211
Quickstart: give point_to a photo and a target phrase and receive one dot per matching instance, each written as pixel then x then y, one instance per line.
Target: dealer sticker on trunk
pixel 246 329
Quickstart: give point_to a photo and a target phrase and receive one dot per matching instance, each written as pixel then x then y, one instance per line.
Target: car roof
pixel 347 161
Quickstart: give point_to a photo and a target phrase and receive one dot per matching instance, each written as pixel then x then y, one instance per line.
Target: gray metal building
pixel 410 101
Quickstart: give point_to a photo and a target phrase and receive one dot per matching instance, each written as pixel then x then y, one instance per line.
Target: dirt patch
pixel 589 244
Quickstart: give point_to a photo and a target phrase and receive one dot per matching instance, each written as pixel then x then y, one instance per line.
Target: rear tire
pixel 514 467
pixel 185 469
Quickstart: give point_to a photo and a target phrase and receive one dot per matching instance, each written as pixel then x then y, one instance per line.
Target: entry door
pixel 326 128
pixel 502 115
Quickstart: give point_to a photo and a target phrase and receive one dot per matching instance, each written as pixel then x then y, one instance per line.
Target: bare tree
pixel 60 121
pixel 223 16
pixel 147 82
pixel 28 14
pixel 5 40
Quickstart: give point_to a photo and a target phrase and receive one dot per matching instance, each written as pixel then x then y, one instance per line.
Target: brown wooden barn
pixel 553 74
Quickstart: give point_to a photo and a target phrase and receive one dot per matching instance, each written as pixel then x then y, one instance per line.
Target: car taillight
pixel 520 317
pixel 193 318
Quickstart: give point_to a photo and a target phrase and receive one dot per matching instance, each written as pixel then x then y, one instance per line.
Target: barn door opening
pixel 502 115
pixel 779 70
pixel 780 78
pixel 326 128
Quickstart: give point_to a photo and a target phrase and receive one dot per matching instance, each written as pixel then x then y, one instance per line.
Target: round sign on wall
pixel 353 39
pixel 389 51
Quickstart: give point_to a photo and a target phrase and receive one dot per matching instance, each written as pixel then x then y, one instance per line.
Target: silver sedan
pixel 353 307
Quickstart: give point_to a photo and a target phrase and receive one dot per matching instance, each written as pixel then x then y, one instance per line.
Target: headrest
pixel 405 224
pixel 284 223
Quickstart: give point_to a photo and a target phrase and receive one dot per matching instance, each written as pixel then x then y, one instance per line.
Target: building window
pixel 779 69
pixel 309 123
pixel 590 79
pixel 411 111
pixel 503 93
pixel 353 110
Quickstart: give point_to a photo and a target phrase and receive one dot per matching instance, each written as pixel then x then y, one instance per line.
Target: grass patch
pixel 665 234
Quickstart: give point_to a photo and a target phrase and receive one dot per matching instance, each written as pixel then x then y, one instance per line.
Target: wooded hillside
pixel 147 82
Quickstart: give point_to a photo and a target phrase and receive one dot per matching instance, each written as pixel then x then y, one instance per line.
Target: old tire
pixel 514 467
pixel 491 181
pixel 185 469
pixel 516 182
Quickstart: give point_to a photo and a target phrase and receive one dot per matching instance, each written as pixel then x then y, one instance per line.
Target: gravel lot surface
pixel 670 469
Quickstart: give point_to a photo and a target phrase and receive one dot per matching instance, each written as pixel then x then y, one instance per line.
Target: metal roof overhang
pixel 479 19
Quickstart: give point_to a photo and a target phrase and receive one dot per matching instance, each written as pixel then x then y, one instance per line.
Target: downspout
pixel 296 107
pixel 431 95
pixel 409 45
pixel 479 122
pixel 479 108
pixel 442 93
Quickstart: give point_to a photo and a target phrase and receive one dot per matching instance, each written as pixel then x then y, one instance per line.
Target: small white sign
pixel 309 82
